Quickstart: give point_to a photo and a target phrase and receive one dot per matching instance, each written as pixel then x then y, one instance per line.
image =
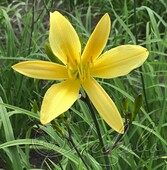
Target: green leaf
pixel 137 106
pixel 80 167
pixel 125 104
pixel 35 143
pixel 14 154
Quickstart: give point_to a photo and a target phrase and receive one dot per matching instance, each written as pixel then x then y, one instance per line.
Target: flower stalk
pixel 70 139
pixel 102 145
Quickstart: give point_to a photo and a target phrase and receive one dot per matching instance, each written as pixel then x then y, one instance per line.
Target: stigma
pixel 80 71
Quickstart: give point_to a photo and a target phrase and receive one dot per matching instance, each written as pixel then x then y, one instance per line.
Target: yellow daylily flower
pixel 79 69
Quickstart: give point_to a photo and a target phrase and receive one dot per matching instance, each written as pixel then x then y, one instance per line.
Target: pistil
pixel 81 72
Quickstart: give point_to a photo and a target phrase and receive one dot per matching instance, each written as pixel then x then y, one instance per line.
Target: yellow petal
pixel 42 70
pixel 58 99
pixel 97 40
pixel 63 39
pixel 104 105
pixel 119 61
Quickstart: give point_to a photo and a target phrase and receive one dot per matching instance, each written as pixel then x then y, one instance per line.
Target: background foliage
pixel 26 144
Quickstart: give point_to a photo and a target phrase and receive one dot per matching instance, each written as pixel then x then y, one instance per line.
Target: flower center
pixel 80 72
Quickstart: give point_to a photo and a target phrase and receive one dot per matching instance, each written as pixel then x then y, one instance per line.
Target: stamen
pixel 80 71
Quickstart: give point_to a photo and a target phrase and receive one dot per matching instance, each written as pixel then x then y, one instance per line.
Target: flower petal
pixel 97 40
pixel 42 70
pixel 119 61
pixel 63 39
pixel 58 99
pixel 104 105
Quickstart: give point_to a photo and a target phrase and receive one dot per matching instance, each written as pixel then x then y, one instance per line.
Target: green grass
pixel 24 31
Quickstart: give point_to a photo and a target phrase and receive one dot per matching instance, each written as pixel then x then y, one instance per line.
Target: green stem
pixel 45 6
pixel 140 69
pixel 69 138
pixel 119 138
pixel 92 110
pixel 57 158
